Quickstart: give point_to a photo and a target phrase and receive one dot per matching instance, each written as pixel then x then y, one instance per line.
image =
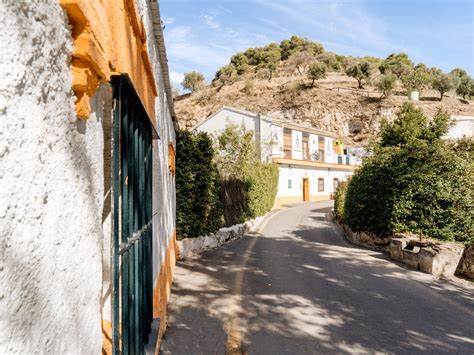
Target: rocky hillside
pixel 334 103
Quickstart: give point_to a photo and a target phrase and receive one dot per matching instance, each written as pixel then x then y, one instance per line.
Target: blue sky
pixel 202 34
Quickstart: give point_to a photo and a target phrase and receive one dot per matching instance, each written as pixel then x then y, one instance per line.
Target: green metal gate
pixel 132 298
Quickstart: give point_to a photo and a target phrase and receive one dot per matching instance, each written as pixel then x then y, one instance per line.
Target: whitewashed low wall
pixel 190 247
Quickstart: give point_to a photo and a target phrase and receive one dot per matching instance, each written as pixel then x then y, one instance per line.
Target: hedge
pixel 261 189
pixel 198 207
pixel 340 199
pixel 205 201
pixel 415 184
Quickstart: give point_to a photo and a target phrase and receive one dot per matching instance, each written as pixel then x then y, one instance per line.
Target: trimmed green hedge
pixel 340 199
pixel 251 197
pixel 261 186
pixel 206 202
pixel 414 182
pixel 198 207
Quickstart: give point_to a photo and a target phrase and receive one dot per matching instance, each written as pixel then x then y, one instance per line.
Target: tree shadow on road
pixel 306 290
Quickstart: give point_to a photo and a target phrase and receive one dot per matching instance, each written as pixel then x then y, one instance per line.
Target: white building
pixel 309 167
pixel 463 126
pixel 87 196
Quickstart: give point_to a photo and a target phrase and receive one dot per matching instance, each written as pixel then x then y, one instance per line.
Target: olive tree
pixel 193 81
pixel 442 83
pixel 359 71
pixel 465 87
pixel 398 64
pixel 316 71
pixel 386 84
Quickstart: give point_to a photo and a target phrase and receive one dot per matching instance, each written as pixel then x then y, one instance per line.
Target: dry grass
pixel 334 105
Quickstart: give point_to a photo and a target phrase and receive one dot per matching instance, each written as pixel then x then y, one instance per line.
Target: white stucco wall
pixel 164 196
pixel 266 140
pixel 277 139
pixel 296 144
pixel 296 175
pixel 51 194
pixel 463 126
pixel 313 144
pixel 218 122
pixel 328 150
pixel 221 119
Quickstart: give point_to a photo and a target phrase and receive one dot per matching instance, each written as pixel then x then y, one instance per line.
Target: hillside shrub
pixel 198 207
pixel 414 182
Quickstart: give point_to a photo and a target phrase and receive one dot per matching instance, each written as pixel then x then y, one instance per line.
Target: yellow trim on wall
pixel 109 37
pixel 313 164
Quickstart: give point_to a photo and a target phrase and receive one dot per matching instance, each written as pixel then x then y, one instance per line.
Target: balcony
pixel 341 162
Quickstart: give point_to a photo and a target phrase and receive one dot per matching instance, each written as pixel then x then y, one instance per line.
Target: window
pixel 320 184
pixel 305 146
pixel 289 183
pixel 321 149
pixel 287 142
pixel 335 184
pixel 321 155
pixel 132 253
pixel 171 159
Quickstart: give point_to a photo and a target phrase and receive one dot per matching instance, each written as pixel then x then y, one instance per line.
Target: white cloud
pixel 345 22
pixel 176 78
pixel 210 21
pixel 168 20
pixel 178 33
pixel 182 46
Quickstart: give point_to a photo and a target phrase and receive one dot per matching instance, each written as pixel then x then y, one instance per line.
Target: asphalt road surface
pixel 297 287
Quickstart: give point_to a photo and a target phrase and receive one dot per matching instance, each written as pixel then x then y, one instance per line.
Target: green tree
pixel 396 63
pixel 412 128
pixel 236 152
pixel 386 84
pixel 330 60
pixel 460 73
pixel 272 68
pixel 193 81
pixel 316 71
pixel 443 84
pixel 240 62
pixel 225 75
pixel 295 44
pixel 359 71
pixel 465 87
pixel 300 61
pixel 413 182
pixel 416 79
pixel 249 186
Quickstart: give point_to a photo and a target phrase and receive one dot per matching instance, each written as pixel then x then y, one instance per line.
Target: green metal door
pixel 132 298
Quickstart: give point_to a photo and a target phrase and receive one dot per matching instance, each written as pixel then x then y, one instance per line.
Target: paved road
pixel 297 287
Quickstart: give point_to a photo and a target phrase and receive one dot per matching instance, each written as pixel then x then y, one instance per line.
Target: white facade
pixel 292 170
pixel 290 182
pixel 260 125
pixel 463 126
pixel 55 195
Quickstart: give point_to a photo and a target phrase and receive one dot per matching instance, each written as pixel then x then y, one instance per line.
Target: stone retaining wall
pixel 466 266
pixel 190 247
pixel 441 259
